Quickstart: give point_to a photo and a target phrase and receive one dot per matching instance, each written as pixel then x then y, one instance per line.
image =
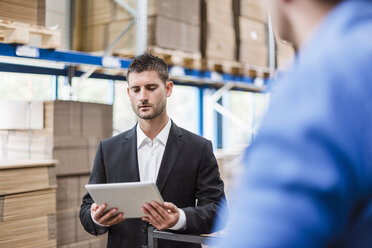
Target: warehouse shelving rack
pixel 32 60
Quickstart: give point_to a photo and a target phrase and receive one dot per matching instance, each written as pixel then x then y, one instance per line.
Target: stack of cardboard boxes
pixel 99 22
pixel 217 30
pixel 251 26
pixel 26 11
pixel 71 133
pixel 27 203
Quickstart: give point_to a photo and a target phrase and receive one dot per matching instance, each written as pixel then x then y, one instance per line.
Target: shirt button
pixel 142 229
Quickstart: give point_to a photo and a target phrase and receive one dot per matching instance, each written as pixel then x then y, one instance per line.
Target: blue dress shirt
pixel 308 175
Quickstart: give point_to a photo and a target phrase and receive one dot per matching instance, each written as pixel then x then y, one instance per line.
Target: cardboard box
pixel 26 11
pixel 71 190
pixel 253 48
pixel 26 175
pixel 72 161
pixel 81 234
pixel 70 230
pixel 96 120
pixel 190 12
pixel 68 192
pixel 93 242
pixel 253 9
pixel 254 53
pixel 220 43
pixel 66 226
pixel 27 204
pixel 217 30
pixel 168 27
pixel 83 179
pixel 31 232
pixel 170 9
pixel 251 30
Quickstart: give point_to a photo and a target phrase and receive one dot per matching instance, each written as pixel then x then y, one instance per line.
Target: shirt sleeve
pixel 181 223
pixel 304 169
pixel 95 222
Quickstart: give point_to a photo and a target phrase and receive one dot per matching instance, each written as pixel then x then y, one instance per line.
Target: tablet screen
pixel 126 197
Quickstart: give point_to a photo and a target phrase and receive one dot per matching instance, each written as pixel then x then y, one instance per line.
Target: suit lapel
pixel 171 152
pixel 130 156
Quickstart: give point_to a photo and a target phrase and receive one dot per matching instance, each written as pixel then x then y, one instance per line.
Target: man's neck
pixel 154 126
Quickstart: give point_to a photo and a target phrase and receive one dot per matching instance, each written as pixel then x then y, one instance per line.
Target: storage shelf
pixel 64 59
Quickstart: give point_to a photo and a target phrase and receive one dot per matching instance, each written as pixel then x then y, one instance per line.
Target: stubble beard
pixel 157 112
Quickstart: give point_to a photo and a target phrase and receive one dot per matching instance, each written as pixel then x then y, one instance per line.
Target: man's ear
pixel 169 88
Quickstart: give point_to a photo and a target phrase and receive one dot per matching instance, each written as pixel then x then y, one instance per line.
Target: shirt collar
pixel 162 136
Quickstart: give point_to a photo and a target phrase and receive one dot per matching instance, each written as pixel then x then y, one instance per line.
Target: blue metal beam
pixel 51 71
pixel 69 57
pixel 198 78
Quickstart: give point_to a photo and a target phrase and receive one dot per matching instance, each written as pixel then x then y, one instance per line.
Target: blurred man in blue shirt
pixel 308 175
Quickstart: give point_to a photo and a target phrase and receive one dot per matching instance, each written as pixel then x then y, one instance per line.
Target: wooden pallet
pixel 27 34
pixel 254 71
pixel 171 57
pixel 107 71
pixel 230 67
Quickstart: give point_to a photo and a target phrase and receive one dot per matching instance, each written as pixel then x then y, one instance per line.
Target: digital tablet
pixel 128 198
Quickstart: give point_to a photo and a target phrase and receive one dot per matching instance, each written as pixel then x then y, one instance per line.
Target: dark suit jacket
pixel 188 177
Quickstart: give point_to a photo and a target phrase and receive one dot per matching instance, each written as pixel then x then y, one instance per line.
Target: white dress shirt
pixel 150 154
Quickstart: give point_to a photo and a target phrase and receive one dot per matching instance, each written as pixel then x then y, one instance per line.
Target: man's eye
pixel 135 90
pixel 152 88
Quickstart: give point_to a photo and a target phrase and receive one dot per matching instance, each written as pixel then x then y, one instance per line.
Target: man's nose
pixel 143 95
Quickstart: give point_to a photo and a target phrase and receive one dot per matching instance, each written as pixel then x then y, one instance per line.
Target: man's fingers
pixel 97 211
pixel 107 216
pixel 94 207
pixel 155 211
pixel 170 206
pixel 100 210
pixel 161 210
pixel 115 220
pixel 150 218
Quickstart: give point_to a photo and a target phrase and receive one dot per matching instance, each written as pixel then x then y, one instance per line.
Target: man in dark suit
pixel 181 163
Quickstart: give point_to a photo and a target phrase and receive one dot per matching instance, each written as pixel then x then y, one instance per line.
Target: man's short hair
pixel 149 62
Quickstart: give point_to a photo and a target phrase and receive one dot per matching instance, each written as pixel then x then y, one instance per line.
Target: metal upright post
pixel 54 86
pixel 201 110
pixel 152 242
pixel 141 27
pixel 69 22
pixel 271 45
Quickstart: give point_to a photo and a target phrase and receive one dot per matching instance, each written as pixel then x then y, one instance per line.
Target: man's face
pixel 148 94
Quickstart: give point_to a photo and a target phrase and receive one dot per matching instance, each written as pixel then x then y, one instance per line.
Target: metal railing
pixel 154 235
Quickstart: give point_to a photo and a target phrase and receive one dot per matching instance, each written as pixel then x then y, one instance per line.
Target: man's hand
pixel 108 219
pixel 161 216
